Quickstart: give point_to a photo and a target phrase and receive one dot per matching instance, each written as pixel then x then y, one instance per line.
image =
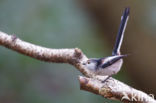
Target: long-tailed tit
pixel 110 65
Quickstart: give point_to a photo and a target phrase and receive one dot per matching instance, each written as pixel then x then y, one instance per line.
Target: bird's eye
pixel 88 62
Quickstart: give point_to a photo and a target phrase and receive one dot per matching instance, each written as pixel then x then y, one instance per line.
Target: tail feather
pixel 119 39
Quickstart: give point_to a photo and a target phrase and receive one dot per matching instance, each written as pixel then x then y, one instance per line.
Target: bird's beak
pixel 84 63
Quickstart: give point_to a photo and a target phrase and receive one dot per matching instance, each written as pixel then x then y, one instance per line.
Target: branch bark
pixel 112 89
pixel 115 90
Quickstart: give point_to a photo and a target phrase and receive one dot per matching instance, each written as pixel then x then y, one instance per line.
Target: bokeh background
pixel 90 25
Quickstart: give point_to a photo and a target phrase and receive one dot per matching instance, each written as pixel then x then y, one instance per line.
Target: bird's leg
pixel 106 79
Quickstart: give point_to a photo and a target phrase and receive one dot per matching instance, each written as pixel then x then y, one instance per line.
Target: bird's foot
pixel 106 79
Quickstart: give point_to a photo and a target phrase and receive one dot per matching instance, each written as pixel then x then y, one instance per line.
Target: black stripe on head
pixel 99 62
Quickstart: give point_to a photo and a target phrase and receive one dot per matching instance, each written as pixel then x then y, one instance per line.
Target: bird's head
pixel 91 63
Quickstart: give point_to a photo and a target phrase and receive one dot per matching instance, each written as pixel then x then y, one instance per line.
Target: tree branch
pixel 115 90
pixel 72 56
pixel 112 89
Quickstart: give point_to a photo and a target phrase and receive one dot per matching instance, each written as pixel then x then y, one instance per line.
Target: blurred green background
pixel 90 25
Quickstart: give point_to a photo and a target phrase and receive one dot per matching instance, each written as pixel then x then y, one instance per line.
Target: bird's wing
pixel 119 39
pixel 111 60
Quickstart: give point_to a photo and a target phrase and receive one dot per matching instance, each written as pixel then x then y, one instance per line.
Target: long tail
pixel 119 39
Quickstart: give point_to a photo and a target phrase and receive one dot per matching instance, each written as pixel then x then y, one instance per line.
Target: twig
pixel 112 89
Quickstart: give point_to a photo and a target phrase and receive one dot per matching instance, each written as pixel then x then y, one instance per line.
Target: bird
pixel 110 65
